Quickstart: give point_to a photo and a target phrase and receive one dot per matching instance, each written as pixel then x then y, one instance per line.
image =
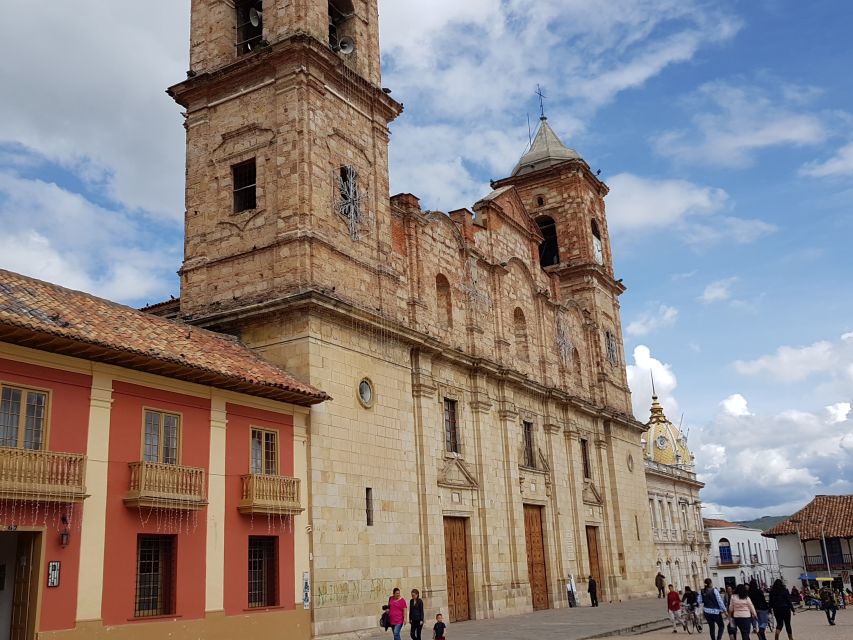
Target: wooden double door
pixel 536 571
pixel 456 559
pixel 594 558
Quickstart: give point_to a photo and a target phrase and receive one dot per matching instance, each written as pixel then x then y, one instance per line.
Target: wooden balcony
pixel 274 495
pixel 42 476
pixel 169 486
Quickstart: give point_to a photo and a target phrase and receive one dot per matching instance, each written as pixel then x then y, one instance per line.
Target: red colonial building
pixel 149 471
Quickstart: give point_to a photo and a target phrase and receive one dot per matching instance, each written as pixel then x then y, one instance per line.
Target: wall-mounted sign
pixel 306 590
pixel 53 573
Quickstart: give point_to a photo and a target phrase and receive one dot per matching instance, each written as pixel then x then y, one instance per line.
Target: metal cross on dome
pixel 351 202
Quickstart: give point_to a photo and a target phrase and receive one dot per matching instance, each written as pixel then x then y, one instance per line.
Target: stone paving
pixel 616 619
pixel 565 624
pixel 807 625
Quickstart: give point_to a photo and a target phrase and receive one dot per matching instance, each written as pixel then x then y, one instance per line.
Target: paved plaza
pixel 807 625
pixel 566 624
pixel 645 618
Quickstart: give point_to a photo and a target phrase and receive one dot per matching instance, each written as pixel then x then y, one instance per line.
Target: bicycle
pixel 690 619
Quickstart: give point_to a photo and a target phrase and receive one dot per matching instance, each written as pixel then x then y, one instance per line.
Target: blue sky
pixel 724 129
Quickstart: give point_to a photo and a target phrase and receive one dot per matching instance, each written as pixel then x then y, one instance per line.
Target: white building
pixel 739 554
pixel 681 546
pixel 817 542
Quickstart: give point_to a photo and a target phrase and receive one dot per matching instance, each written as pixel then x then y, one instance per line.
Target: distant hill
pixel 763 523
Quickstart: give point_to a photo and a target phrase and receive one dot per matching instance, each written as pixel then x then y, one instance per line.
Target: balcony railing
pixel 153 484
pixel 43 476
pixel 837 562
pixel 732 560
pixel 276 495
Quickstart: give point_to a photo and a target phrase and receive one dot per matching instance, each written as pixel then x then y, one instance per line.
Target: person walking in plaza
pixel 673 607
pixel 416 615
pixel 762 609
pixel 742 611
pixel 592 589
pixel 712 603
pixel 827 601
pixel 660 583
pixel 690 599
pixel 397 612
pixel 727 599
pixel 780 603
pixel 439 628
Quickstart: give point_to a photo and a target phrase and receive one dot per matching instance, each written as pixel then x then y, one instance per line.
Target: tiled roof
pixel 830 516
pixel 46 316
pixel 711 523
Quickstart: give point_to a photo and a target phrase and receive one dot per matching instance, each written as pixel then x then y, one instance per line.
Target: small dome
pixel 545 151
pixel 665 442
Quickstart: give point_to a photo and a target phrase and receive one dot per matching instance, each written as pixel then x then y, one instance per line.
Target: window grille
pixel 527 431
pixel 23 417
pixel 451 434
pixel 610 346
pixel 154 576
pixel 264 452
pixel 244 179
pixel 161 437
pixel 262 571
pixel 587 468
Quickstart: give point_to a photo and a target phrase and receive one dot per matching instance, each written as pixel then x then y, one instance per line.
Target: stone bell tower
pixel 566 199
pixel 287 147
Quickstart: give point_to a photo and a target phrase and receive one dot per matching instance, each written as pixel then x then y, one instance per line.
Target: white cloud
pixel 470 66
pixel 637 204
pixel 735 405
pixel 838 412
pixel 662 317
pixel 731 123
pixel 841 164
pixel 787 457
pixel 648 204
pixel 718 291
pixel 640 381
pixel 793 364
pixel 59 236
pixel 91 95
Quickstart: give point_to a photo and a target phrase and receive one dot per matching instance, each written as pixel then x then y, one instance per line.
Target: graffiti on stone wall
pixel 352 591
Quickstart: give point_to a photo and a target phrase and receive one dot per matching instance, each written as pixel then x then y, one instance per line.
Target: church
pixel 450 387
pixel 479 443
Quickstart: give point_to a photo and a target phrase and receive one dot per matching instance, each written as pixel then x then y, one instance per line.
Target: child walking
pixel 438 629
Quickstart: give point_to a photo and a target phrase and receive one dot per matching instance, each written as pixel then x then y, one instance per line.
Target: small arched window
pixel 725 551
pixel 597 245
pixel 540 201
pixel 522 349
pixel 444 302
pixel 549 251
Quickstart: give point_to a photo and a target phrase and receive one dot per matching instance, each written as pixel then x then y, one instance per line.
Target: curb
pixel 634 630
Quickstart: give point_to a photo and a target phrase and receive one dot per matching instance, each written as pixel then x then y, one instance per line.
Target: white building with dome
pixel 681 543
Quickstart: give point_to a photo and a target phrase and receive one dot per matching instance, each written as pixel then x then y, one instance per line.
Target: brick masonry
pixel 425 305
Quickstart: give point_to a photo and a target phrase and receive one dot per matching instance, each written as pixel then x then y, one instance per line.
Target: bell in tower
pixel 287 146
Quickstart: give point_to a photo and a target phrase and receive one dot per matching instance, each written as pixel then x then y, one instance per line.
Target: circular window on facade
pixel 365 393
pixel 630 462
pixel 662 442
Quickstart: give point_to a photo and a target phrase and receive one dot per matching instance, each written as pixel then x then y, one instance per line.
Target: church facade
pixel 479 443
pixel 678 530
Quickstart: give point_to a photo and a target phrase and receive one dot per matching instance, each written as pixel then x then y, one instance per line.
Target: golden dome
pixel 665 444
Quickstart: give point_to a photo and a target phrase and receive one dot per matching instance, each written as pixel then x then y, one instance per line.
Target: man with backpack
pixel 712 603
